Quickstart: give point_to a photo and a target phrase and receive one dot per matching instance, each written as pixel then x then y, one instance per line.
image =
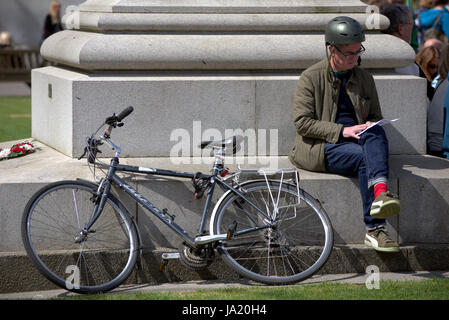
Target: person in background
pixel 434 43
pixel 5 44
pixel 8 61
pixel 5 40
pixel 428 60
pixel 438 114
pixel 424 5
pixel 401 25
pixel 401 21
pixel 414 42
pixel 428 19
pixel 379 3
pixel 52 22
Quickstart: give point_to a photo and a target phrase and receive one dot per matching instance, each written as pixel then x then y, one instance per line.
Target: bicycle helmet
pixel 343 30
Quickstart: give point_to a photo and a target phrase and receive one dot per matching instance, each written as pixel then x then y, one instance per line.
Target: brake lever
pixel 84 153
pixel 112 120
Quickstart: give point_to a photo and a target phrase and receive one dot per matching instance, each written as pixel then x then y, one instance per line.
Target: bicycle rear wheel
pixel 291 243
pixel 92 262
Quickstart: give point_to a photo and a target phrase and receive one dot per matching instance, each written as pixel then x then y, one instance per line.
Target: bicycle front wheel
pixel 52 233
pixel 286 239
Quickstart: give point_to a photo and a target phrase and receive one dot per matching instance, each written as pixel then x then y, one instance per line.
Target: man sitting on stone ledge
pixel 334 101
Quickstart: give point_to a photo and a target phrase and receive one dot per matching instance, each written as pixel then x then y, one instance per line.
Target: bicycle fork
pixel 103 192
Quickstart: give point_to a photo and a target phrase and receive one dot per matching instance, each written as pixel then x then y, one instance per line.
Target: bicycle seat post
pixel 219 158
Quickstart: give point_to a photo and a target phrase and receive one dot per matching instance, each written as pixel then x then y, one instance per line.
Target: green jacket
pixel 315 110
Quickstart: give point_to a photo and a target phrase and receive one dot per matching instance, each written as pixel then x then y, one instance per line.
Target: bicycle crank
pixel 196 259
pixel 218 237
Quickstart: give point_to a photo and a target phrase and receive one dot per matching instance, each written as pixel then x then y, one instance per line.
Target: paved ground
pixel 210 285
pixel 14 89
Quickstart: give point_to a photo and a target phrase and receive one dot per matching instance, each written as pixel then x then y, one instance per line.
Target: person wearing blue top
pixel 427 18
pixel 445 146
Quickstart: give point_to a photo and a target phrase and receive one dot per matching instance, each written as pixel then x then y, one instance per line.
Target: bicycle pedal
pixel 162 265
pixel 210 238
pixel 166 257
pixel 231 229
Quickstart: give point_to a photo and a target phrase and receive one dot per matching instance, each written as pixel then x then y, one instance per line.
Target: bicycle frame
pixel 113 178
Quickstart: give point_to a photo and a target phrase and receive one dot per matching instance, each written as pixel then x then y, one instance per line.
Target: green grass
pixel 15 118
pixel 432 289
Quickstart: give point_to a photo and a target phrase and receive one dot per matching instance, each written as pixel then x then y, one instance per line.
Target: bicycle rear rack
pixel 201 240
pixel 281 175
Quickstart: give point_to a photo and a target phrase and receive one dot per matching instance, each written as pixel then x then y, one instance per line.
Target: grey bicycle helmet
pixel 344 30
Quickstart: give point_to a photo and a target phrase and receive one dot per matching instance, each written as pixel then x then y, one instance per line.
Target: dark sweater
pixel 345 112
pixel 50 28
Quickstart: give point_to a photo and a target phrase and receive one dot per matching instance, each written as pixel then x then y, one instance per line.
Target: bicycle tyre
pixel 51 222
pixel 280 255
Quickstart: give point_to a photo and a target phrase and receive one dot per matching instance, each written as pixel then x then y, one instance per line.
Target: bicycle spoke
pixel 56 237
pixel 290 247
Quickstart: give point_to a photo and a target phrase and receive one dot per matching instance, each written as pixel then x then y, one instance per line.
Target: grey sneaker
pixel 385 205
pixel 381 241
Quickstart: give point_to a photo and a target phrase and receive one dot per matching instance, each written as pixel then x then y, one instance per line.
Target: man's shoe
pixel 381 241
pixel 385 205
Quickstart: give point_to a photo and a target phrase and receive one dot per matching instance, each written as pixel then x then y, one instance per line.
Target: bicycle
pixel 268 230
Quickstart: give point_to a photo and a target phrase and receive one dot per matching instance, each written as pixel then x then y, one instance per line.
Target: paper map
pixel 378 123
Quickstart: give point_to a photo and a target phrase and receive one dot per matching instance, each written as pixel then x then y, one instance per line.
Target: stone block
pixel 421 182
pixel 51 112
pixel 402 97
pixel 169 107
pixel 13 199
pixel 356 258
pixel 424 193
pixel 428 257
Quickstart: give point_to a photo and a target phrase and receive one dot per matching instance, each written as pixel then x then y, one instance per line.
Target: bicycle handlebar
pixel 112 120
pixel 92 143
pixel 126 112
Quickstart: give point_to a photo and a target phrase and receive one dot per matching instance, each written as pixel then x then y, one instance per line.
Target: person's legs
pixel 375 151
pixel 348 159
pixel 375 148
pixel 367 158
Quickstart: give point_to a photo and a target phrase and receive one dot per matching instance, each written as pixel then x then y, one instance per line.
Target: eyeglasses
pixel 351 54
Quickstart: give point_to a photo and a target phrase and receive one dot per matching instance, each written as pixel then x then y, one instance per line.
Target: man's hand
pixel 351 132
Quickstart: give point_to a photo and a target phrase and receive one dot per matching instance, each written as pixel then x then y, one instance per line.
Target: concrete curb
pixel 19 275
pixel 349 278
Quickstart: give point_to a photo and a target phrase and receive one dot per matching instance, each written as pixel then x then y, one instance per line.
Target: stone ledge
pixel 420 181
pixel 230 6
pixel 19 275
pixel 97 51
pixel 194 22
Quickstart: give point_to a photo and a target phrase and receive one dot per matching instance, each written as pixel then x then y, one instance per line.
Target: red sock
pixel 379 188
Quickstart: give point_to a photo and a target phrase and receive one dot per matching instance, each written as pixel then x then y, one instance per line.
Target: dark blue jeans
pixel 367 158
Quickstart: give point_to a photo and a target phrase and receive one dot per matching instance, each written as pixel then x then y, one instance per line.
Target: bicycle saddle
pixel 228 142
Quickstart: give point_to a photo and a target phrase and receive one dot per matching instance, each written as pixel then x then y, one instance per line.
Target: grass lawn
pixel 432 289
pixel 15 118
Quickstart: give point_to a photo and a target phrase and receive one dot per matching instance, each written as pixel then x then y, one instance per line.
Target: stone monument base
pixel 67 106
